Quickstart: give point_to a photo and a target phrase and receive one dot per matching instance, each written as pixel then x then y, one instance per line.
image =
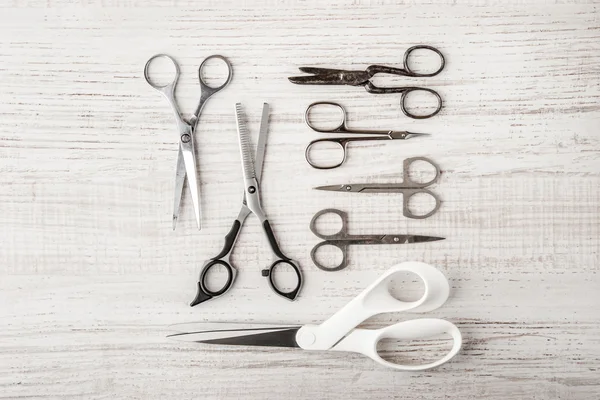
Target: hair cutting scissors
pixel 186 158
pixel 327 76
pixel 339 332
pixel 342 239
pixel 408 187
pixel 250 204
pixel 342 142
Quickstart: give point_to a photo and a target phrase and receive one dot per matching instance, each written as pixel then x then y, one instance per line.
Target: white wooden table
pixel 91 272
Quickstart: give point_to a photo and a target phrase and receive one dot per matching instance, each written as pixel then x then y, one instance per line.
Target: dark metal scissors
pixel 342 142
pixel 250 205
pixel 327 76
pixel 407 187
pixel 342 239
pixel 186 158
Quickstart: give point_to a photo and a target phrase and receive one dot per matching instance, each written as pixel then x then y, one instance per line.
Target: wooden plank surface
pixel 91 272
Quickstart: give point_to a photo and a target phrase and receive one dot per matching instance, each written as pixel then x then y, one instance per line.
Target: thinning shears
pixel 250 204
pixel 339 332
pixel 327 76
pixel 186 158
pixel 342 239
pixel 342 128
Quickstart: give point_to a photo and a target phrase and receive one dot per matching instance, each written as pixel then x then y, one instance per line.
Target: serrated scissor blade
pixel 245 144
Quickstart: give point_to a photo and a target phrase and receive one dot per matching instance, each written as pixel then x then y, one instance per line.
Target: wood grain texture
pixel 91 273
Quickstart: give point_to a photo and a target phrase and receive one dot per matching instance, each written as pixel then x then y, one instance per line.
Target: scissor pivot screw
pixel 185 138
pixel 396 239
pixel 348 187
pixel 251 189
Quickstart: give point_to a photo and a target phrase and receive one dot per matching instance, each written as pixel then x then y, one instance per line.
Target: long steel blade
pixel 187 150
pixel 261 145
pixel 371 187
pixel 238 334
pixel 245 144
pixel 404 239
pixel 179 181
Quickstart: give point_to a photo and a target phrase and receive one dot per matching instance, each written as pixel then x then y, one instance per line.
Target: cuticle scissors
pixel 328 76
pixel 340 333
pixel 342 239
pixel 252 171
pixel 342 128
pixel 186 157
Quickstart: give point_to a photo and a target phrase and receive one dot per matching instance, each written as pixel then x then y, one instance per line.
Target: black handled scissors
pixel 342 128
pixel 327 76
pixel 251 205
pixel 342 239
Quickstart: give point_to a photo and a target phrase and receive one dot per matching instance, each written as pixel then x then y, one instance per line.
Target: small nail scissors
pixel 342 142
pixel 250 204
pixel 327 76
pixel 339 332
pixel 342 239
pixel 407 187
pixel 186 158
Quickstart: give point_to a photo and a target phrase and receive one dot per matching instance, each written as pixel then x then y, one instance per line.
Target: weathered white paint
pixel 91 273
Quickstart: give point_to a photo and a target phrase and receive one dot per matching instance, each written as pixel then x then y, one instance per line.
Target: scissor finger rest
pixel 271 272
pixel 364 341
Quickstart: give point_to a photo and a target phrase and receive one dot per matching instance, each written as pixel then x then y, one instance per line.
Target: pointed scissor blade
pixel 187 150
pixel 245 144
pixel 404 239
pixel 406 135
pixel 234 334
pixel 179 181
pixel 336 188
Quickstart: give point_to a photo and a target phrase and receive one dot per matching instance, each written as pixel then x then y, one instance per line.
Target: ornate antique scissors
pixel 342 142
pixel 327 76
pixel 407 187
pixel 342 239
pixel 186 158
pixel 339 332
pixel 250 204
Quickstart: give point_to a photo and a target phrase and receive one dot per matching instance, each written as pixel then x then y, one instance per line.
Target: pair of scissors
pixel 342 239
pixel 186 158
pixel 327 76
pixel 342 142
pixel 251 204
pixel 408 187
pixel 339 332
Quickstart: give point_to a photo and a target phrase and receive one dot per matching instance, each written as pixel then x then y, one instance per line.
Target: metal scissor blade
pixel 403 239
pixel 245 144
pixel 179 181
pixel 336 188
pixel 329 76
pixel 187 150
pixel 237 334
pixel 261 145
pixel 406 135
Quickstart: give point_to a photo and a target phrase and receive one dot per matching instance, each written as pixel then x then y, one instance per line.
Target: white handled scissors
pixel 339 332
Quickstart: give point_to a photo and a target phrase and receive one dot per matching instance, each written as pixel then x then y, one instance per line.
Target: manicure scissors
pixel 186 158
pixel 342 142
pixel 339 332
pixel 342 239
pixel 407 187
pixel 327 76
pixel 250 204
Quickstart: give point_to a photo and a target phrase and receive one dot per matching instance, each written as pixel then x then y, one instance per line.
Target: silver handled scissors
pixel 342 239
pixel 250 204
pixel 327 76
pixel 186 158
pixel 407 187
pixel 340 333
pixel 342 128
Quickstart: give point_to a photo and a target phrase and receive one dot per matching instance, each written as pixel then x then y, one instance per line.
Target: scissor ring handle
pixel 408 193
pixel 341 128
pixel 409 51
pixel 406 164
pixel 204 274
pixel 339 141
pixel 204 86
pixel 408 90
pixel 342 233
pixel 340 245
pixel 161 88
pixel 270 273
